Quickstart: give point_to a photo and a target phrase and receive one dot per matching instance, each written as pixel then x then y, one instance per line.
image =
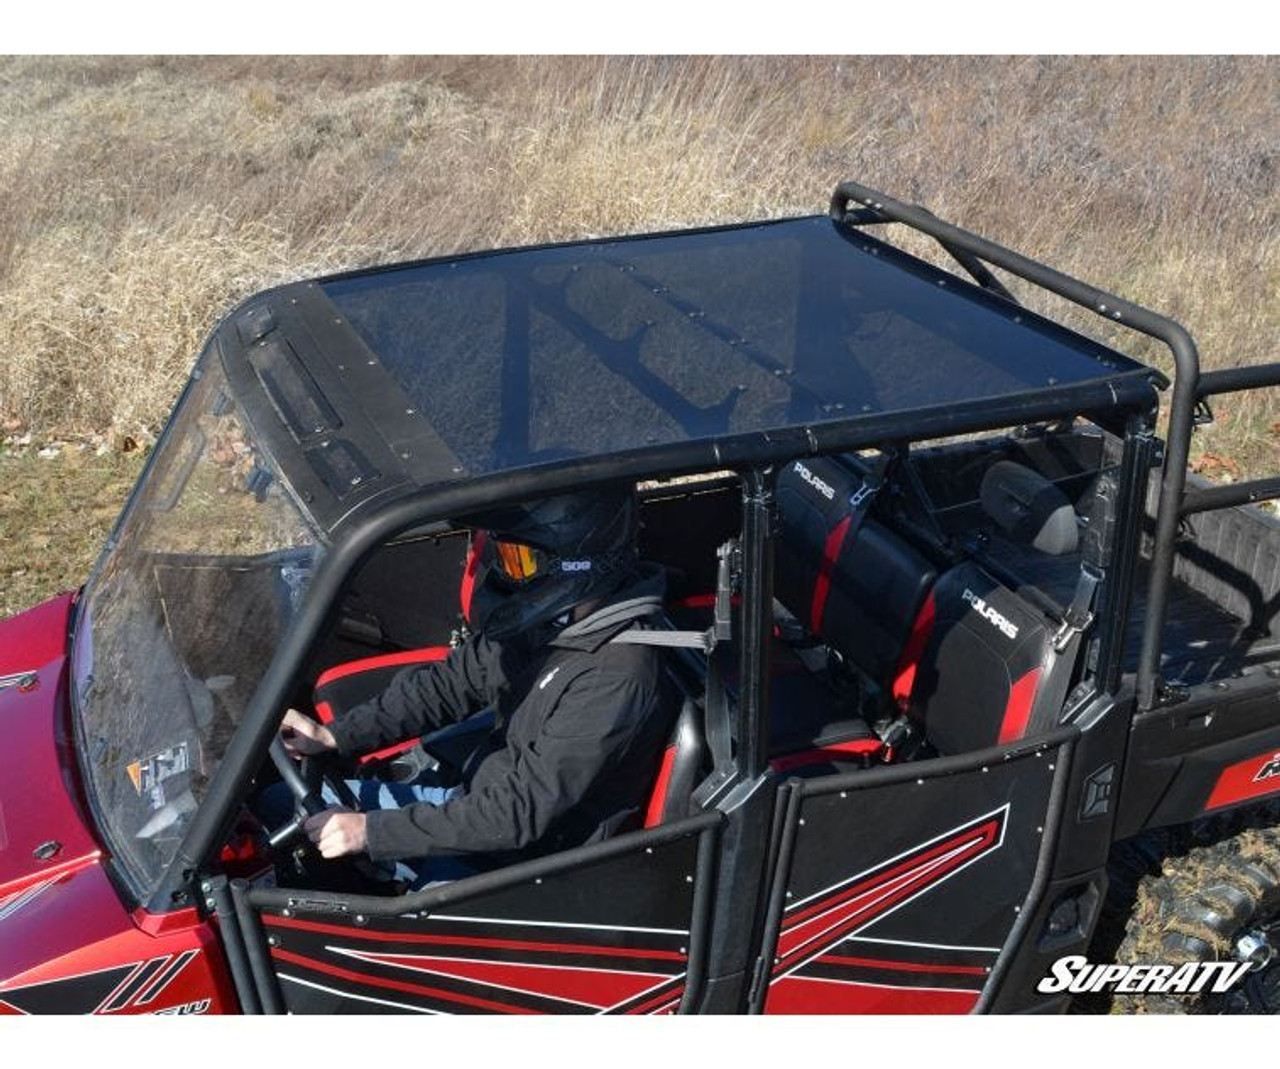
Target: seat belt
pixel 715 727
pixel 1066 648
pixel 860 502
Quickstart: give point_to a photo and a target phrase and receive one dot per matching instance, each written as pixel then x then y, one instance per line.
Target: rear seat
pixel 969 661
pixel 864 591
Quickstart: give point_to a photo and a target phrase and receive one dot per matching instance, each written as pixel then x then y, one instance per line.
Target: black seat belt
pixel 716 727
pixel 1066 648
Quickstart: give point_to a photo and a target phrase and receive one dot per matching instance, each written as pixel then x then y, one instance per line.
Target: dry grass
pixel 142 198
pixel 55 514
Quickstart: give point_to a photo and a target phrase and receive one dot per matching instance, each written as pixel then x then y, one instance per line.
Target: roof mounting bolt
pixel 272 941
pixel 286 913
pixel 360 918
pixel 1039 829
pixel 538 880
pixel 688 879
pixel 405 456
pixel 1051 766
pixel 1102 308
pixel 1017 909
pixel 801 822
pixel 206 887
pixel 355 480
pixel 985 769
pixel 410 411
pixel 371 362
pixel 342 367
pixel 1115 314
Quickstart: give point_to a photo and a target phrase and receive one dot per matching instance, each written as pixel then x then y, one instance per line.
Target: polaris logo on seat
pixel 825 489
pixel 984 610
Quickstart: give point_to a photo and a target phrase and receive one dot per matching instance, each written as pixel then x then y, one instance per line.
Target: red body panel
pixel 73 948
pixel 1246 780
pixel 35 637
pixel 39 796
pixel 68 944
pixel 808 995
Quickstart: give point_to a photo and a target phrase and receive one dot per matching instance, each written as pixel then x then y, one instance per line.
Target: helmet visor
pixel 518 562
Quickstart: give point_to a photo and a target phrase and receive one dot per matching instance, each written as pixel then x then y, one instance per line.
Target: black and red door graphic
pixel 898 896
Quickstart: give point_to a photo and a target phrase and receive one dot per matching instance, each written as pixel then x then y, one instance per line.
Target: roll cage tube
pixel 876 207
pixel 363 528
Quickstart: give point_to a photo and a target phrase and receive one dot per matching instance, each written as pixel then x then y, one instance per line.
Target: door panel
pixel 896 891
pixel 621 934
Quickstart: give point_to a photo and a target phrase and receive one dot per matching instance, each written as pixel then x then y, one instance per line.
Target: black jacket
pixel 580 727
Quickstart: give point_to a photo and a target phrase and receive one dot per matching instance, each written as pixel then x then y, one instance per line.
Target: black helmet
pixel 542 558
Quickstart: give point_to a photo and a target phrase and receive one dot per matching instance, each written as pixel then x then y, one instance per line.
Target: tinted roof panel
pixel 533 354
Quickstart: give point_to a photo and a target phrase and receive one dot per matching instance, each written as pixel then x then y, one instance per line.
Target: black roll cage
pixel 1190 388
pixel 755 457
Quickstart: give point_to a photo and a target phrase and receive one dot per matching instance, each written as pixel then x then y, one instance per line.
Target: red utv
pixel 985 696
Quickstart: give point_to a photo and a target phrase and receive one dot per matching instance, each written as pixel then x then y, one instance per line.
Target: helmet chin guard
pixel 589 540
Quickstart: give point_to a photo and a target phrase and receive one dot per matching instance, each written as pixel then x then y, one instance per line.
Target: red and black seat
pixel 971 662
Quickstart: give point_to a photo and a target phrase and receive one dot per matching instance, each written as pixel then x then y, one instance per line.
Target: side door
pixel 615 927
pixel 906 889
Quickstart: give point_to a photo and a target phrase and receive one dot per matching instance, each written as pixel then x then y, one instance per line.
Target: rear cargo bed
pixel 1224 603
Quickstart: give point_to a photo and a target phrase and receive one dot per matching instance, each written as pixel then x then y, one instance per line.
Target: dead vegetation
pixel 144 197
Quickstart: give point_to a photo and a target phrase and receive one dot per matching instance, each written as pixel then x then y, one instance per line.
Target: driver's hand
pixel 303 737
pixel 337 832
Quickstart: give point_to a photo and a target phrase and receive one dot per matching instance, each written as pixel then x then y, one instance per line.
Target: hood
pixel 35 637
pixel 44 831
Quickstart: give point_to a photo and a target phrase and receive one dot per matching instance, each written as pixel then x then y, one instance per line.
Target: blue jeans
pixel 275 807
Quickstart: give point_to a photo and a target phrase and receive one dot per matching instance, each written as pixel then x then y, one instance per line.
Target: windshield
pixel 179 622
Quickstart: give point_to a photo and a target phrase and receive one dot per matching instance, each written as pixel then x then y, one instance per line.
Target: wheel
pixel 1215 901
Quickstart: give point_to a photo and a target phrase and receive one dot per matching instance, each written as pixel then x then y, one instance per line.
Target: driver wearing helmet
pixel 580 720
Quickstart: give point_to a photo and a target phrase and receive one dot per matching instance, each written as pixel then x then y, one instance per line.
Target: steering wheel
pixel 305 784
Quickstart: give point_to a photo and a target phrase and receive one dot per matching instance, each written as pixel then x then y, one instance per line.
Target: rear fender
pixel 1218 750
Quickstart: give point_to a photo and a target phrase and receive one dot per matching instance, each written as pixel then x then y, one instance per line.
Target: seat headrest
pixel 1029 508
